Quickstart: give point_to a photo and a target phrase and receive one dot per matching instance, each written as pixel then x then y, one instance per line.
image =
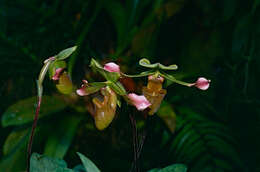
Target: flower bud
pixel 112 67
pixel 202 83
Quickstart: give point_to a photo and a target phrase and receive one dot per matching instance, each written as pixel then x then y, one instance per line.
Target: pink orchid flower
pixel 112 67
pixel 140 102
pixel 202 83
pixel 82 91
pixel 57 74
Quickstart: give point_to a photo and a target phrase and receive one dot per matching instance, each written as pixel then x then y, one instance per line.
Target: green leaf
pixel 175 168
pixel 256 3
pixel 118 13
pixel 16 161
pixel 23 111
pixel 241 35
pixel 88 164
pixel 59 141
pixel 41 163
pixel 171 168
pixel 118 88
pixel 15 140
pixel 66 53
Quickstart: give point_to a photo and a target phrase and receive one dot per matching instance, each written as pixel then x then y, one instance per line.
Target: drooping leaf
pixel 14 140
pixel 88 164
pixel 23 111
pixel 59 141
pixel 14 161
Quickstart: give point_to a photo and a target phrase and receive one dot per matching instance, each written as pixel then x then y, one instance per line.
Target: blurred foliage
pixel 215 130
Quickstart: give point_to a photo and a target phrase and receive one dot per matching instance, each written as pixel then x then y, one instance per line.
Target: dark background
pixel 216 130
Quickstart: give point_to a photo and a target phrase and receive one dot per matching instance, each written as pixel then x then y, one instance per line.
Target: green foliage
pixel 59 142
pixel 171 168
pixel 205 142
pixel 42 163
pixel 22 111
pixel 88 164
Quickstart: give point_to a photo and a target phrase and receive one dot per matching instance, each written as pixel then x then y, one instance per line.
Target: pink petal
pixel 202 83
pixel 85 81
pixel 57 74
pixel 140 102
pixel 81 91
pixel 112 67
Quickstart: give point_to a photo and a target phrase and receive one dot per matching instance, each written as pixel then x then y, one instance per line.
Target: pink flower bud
pixel 112 67
pixel 57 74
pixel 140 102
pixel 202 83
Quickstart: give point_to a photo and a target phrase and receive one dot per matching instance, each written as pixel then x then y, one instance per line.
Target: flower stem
pixel 29 148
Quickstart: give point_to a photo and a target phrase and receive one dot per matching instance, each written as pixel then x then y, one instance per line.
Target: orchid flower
pixel 154 92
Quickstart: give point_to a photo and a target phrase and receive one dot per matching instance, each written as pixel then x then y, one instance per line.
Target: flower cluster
pixel 105 96
pixel 104 103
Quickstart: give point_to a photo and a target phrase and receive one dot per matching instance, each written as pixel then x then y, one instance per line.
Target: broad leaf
pixel 23 111
pixel 15 140
pixel 41 163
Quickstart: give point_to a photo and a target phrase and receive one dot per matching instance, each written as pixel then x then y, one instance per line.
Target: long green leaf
pixel 23 111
